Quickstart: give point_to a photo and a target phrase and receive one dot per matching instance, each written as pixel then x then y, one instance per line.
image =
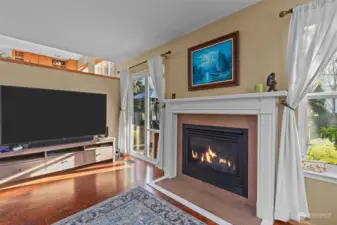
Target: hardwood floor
pixel 49 199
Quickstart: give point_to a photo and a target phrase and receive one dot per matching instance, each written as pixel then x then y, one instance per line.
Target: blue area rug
pixel 136 206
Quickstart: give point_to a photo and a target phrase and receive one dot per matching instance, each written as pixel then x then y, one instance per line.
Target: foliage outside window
pixel 146 117
pixel 139 102
pixel 322 117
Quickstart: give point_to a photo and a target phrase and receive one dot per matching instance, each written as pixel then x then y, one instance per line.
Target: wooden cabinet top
pixel 28 151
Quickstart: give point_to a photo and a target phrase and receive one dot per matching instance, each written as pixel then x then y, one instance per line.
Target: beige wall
pixel 32 76
pixel 263 49
pixel 263 40
pixel 322 200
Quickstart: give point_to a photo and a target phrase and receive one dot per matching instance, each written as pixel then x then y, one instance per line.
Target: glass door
pixel 144 118
pixel 154 120
pixel 138 120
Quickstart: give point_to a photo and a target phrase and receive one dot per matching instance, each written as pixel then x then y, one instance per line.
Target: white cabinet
pixel 66 161
pixel 103 153
pixel 35 162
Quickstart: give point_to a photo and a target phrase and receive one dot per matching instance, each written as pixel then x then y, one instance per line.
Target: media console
pixel 33 162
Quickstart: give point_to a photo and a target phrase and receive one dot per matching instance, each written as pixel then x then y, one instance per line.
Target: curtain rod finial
pixel 284 13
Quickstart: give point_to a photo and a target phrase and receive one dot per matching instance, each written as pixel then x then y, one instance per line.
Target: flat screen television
pixel 29 115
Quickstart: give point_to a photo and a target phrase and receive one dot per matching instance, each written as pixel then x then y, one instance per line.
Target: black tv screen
pixel 31 115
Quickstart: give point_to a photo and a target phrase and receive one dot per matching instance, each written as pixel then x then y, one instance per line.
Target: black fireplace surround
pixel 217 155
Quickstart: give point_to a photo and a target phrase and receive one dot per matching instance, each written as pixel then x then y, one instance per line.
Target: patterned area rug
pixel 136 206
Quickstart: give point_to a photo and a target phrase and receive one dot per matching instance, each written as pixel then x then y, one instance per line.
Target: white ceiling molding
pixel 115 30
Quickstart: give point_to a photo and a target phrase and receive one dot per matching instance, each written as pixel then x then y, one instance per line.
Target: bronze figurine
pixel 271 82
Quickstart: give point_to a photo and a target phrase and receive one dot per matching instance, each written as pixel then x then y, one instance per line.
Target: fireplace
pixel 217 155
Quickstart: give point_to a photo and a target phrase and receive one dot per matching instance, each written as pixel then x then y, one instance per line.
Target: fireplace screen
pixel 217 155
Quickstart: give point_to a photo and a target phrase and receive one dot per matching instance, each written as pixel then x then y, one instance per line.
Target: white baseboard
pixel 159 179
pixel 190 205
pixel 138 156
pixel 267 222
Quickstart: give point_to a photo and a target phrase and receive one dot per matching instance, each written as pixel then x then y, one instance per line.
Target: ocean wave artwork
pixel 213 64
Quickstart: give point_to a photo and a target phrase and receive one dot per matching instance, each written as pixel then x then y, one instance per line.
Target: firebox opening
pixel 217 155
pixel 214 160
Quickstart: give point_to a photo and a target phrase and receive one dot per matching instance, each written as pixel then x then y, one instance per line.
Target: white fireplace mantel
pixel 264 106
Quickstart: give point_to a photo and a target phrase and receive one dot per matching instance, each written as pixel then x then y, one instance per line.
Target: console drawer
pixel 103 153
pixel 64 162
pixel 22 169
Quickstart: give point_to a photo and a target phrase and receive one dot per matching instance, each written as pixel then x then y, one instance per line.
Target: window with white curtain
pixel 318 118
pixel 104 68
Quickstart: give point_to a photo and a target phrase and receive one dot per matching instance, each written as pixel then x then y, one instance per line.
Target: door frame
pixel 147 130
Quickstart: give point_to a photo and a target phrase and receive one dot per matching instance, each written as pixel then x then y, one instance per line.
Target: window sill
pixel 328 176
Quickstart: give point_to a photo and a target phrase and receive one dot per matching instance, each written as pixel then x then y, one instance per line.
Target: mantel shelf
pixel 228 97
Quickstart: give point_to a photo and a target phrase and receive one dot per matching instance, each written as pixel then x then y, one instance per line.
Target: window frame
pixel 303 118
pixel 331 174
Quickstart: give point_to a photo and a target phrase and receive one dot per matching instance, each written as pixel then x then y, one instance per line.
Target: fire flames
pixel 224 161
pixel 194 154
pixel 210 156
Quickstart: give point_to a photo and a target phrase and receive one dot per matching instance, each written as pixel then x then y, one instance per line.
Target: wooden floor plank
pixel 50 199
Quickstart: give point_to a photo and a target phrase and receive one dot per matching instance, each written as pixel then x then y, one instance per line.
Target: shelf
pixel 105 140
pixel 88 144
pixel 64 151
pixel 229 97
pixel 45 149
pixel 88 147
pixel 21 158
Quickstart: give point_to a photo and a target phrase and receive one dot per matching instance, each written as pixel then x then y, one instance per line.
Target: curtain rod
pixel 162 55
pixel 284 13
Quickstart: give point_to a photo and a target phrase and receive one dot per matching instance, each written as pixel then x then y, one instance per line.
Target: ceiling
pixel 115 30
pixel 7 44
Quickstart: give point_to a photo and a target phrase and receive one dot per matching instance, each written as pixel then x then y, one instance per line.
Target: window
pixel 318 117
pixel 85 69
pixel 104 68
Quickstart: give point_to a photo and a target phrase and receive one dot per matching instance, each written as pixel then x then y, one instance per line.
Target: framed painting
pixel 214 64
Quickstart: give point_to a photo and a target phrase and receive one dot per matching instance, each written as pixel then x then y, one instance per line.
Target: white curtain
pixel 122 131
pixel 156 69
pixel 312 41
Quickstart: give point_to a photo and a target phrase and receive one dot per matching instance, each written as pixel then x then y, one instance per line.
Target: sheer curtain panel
pixel 156 69
pixel 122 131
pixel 312 41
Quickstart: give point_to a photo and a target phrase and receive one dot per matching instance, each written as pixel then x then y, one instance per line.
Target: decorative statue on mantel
pixel 271 82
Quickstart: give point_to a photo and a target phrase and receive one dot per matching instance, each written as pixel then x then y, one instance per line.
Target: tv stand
pixel 33 162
